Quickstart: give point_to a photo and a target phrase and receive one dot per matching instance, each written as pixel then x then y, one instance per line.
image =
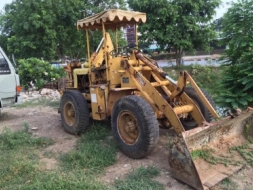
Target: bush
pixel 237 82
pixel 38 72
pixel 237 85
pixel 207 77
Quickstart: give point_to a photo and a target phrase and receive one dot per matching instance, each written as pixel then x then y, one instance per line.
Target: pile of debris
pixel 36 94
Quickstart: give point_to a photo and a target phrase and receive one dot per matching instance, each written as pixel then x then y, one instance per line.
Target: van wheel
pixel 189 122
pixel 134 126
pixel 75 113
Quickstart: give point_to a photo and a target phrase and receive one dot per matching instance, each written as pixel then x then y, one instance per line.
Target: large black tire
pixel 134 126
pixel 189 122
pixel 75 113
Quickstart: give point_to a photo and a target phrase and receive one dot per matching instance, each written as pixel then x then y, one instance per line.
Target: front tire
pixel 189 122
pixel 134 126
pixel 75 113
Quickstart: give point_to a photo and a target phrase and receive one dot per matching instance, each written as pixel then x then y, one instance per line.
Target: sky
pixel 223 8
pixel 219 12
pixel 3 2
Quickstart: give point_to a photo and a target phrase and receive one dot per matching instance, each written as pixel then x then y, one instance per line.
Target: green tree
pixel 41 28
pixel 3 37
pixel 218 26
pixel 47 28
pixel 237 82
pixel 38 72
pixel 179 24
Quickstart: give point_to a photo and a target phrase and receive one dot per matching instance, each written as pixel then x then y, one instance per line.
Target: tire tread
pixel 83 112
pixel 150 131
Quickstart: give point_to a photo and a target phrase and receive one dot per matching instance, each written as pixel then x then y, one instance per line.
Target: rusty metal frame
pixel 182 80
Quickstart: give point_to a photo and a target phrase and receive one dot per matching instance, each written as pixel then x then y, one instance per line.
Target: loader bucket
pixel 204 156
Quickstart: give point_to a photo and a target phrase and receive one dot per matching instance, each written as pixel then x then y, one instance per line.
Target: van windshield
pixel 4 67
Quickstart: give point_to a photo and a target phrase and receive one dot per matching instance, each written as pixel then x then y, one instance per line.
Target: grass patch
pixel 94 151
pixel 229 184
pixel 17 167
pixel 61 181
pixel 19 160
pixel 10 140
pixel 207 155
pixel 42 101
pixel 141 178
pixel 245 151
pixel 49 154
pixel 20 166
pixel 26 175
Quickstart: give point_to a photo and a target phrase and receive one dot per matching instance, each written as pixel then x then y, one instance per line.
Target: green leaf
pixel 37 74
pixel 183 27
pixel 48 30
pixel 246 80
pixel 248 86
pixel 234 104
pixel 242 102
pixel 229 100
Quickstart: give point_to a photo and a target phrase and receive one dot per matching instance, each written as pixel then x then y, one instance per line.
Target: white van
pixel 9 82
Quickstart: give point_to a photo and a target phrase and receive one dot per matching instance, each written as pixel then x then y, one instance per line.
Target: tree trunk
pixel 179 54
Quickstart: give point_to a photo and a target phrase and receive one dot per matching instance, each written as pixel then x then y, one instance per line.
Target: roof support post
pixel 136 34
pixel 88 46
pixel 116 39
pixel 105 49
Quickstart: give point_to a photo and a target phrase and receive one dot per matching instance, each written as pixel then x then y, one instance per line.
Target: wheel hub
pixel 69 113
pixel 128 127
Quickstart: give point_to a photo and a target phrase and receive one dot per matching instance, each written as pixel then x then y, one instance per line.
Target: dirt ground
pixel 46 122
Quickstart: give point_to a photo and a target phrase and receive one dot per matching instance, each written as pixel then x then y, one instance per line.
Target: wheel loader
pixel 124 85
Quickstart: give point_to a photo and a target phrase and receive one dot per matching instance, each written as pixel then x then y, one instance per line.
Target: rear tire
pixel 190 123
pixel 134 126
pixel 75 113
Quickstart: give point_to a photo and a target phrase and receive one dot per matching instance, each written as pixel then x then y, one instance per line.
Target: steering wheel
pixel 123 51
pixel 113 53
pixel 120 51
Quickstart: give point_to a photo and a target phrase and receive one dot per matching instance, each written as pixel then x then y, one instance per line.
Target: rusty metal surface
pixel 150 63
pixel 127 126
pixel 181 165
pixel 228 128
pixel 219 138
pixel 200 94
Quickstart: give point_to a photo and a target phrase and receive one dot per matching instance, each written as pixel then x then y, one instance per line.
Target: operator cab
pixel 106 60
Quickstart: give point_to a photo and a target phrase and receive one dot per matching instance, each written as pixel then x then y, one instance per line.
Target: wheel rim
pixel 69 113
pixel 127 126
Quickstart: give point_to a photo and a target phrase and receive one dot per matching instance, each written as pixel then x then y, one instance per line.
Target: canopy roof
pixel 113 18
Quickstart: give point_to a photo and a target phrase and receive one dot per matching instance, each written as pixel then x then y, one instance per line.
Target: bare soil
pixel 46 122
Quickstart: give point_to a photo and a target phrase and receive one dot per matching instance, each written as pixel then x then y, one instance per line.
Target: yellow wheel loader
pixel 123 84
